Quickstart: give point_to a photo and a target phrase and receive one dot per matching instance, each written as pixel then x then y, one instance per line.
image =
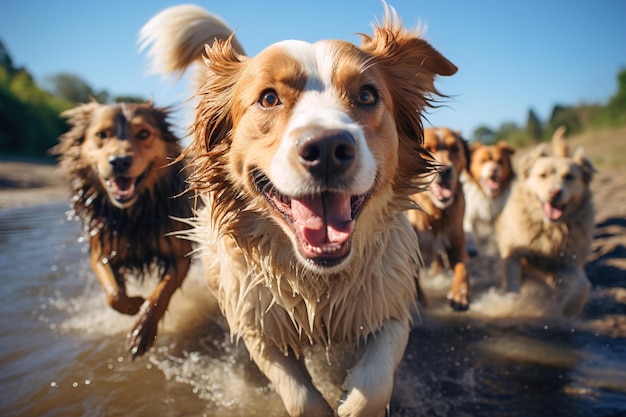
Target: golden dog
pixel 546 227
pixel 307 155
pixel 439 221
pixel 487 186
pixel 117 159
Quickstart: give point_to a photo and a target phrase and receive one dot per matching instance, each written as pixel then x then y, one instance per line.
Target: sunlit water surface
pixel 62 347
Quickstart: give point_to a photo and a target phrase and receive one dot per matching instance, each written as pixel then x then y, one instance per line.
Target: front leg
pixel 141 338
pixel 459 290
pixel 370 383
pixel 290 378
pixel 116 294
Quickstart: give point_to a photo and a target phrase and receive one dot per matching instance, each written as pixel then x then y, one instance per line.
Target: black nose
pixel 120 164
pixel 446 172
pixel 326 153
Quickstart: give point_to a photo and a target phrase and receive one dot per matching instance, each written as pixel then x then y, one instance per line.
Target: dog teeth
pixel 323 250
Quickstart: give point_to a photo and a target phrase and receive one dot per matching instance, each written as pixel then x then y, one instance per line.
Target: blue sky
pixel 512 55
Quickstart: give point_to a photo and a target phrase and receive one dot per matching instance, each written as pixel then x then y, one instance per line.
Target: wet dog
pixel 308 154
pixel 546 227
pixel 486 185
pixel 125 190
pixel 439 219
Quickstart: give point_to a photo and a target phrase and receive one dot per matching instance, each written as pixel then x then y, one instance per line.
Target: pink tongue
pixel 552 212
pixel 123 186
pixel 323 219
pixel 492 184
pixel 441 193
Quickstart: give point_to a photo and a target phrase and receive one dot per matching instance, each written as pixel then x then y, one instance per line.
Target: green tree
pixel 72 88
pixel 484 134
pixel 129 99
pixel 565 116
pixel 534 130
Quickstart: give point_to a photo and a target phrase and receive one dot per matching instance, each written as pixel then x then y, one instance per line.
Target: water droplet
pixel 105 261
pixel 87 381
pixel 53 384
pixel 74 384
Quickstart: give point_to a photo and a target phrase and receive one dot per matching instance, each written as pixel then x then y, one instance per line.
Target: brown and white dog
pixel 307 155
pixel 546 228
pixel 486 185
pixel 125 190
pixel 439 219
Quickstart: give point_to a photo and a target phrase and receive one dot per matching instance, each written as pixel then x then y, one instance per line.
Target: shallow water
pixel 62 348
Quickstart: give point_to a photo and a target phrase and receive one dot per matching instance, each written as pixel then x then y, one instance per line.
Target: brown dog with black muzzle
pixel 439 219
pixel 126 190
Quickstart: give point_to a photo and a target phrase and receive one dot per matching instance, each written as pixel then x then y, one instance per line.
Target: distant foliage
pixel 29 117
pixel 575 118
pixel 30 121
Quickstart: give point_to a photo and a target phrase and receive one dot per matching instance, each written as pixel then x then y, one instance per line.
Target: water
pixel 62 348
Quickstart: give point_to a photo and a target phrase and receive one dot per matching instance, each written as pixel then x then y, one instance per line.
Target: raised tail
pixel 559 143
pixel 175 38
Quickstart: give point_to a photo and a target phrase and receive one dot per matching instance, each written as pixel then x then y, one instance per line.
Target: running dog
pixel 486 185
pixel 307 157
pixel 546 227
pixel 439 219
pixel 126 190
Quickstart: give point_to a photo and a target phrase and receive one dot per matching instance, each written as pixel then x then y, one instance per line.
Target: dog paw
pixel 458 302
pixel 124 304
pixel 141 338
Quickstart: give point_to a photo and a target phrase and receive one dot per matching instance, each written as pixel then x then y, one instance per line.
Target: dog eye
pixel 143 134
pixel 568 177
pixel 269 99
pixel 367 96
pixel 102 134
pixel 454 148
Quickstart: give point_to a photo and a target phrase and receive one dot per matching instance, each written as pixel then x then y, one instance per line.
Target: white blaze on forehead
pixel 441 134
pixel 319 107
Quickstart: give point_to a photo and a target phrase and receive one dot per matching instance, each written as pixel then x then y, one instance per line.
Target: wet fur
pixel 553 251
pixel 357 312
pixel 440 226
pixel 130 240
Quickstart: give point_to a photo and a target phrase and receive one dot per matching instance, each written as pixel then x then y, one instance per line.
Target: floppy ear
pixel 529 159
pixel 409 66
pixel 506 148
pixel 79 119
pixel 69 147
pixel 585 164
pixel 466 151
pixel 213 117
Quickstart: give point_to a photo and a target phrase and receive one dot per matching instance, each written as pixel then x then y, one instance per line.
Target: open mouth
pixel 492 183
pixel 322 223
pixel 442 192
pixel 123 189
pixel 553 211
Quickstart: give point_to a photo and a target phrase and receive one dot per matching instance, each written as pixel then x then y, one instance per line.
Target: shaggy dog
pixel 125 189
pixel 486 185
pixel 546 228
pixel 439 221
pixel 307 155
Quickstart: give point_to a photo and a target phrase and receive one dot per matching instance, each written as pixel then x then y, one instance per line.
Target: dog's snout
pixel 555 194
pixel 120 163
pixel 327 153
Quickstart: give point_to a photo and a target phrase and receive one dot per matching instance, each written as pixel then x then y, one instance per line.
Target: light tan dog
pixel 486 185
pixel 117 159
pixel 546 227
pixel 439 221
pixel 308 154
